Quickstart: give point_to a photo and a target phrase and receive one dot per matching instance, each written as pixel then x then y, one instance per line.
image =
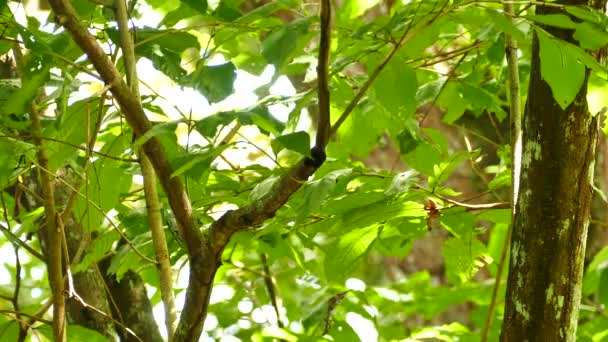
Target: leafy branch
pixel 53 231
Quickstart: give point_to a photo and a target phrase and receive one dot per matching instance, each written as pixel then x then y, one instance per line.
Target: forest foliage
pixel 427 79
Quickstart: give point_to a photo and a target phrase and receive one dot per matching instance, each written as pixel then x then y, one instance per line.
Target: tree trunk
pixel 551 212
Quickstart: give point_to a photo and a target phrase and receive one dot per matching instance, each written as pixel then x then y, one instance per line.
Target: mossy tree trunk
pixel 551 212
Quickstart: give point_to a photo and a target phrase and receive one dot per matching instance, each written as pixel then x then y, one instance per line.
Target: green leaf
pixel 208 126
pixel 556 20
pixel 396 235
pixel 414 46
pixel 380 211
pixel 262 188
pixel 452 101
pixel 184 11
pixel 501 180
pixel 156 131
pixel 71 131
pixel 560 68
pixel 214 82
pixel 20 99
pixel 298 142
pixel 428 92
pixel 266 10
pixel 9 329
pixel 227 11
pixel 402 183
pixel 498 216
pixel 75 333
pixel 446 332
pixel 263 120
pixel 586 13
pixel 496 243
pixel 282 45
pixel 107 180
pixel 396 88
pixel 359 199
pixel 126 259
pixel 342 256
pixel 258 116
pixel 458 222
pixel 591 36
pixel 351 9
pixel 200 162
pixel 363 129
pixel 315 193
pixel 480 100
pixel 342 331
pixel 165 40
pixel 597 266
pixel 603 288
pixel 422 158
pixel 463 258
pixel 99 248
pixel 588 60
pixel 506 25
pixel 14 159
pixel 443 170
pixel 199 5
pixel 164 48
pixel 280 334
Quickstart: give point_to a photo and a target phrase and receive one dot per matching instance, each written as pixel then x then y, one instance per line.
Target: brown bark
pixel 89 285
pixel 131 307
pixel 551 212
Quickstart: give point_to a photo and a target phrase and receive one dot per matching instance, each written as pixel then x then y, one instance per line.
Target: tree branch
pixel 324 125
pixel 202 273
pixel 53 231
pixel 147 170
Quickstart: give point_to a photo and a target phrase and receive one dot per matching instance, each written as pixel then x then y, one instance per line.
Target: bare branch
pixel 324 125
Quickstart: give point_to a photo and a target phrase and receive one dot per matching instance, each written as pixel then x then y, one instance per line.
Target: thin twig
pixel 83 148
pixel 450 75
pixel 15 298
pixel 467 206
pixel 16 240
pixel 516 142
pixel 270 288
pixel 363 90
pixel 86 305
pixel 38 319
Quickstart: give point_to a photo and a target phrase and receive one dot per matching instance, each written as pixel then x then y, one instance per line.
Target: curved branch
pixel 203 271
pixel 136 118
